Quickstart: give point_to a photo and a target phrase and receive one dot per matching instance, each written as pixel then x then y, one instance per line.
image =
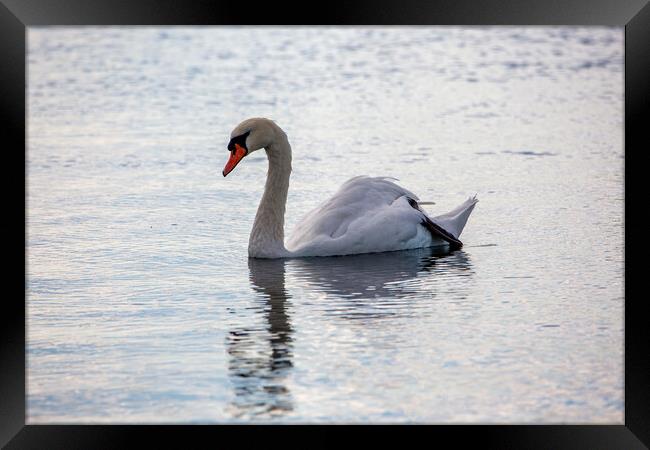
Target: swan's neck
pixel 267 236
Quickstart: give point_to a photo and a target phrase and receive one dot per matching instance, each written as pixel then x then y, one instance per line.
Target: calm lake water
pixel 143 306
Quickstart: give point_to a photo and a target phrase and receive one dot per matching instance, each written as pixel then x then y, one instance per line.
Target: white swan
pixel 366 215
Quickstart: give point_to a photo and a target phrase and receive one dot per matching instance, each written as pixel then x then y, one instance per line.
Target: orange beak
pixel 235 156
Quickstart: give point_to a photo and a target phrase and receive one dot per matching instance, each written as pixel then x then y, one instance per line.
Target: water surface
pixel 143 307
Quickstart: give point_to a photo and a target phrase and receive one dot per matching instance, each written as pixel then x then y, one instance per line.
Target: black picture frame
pixel 17 15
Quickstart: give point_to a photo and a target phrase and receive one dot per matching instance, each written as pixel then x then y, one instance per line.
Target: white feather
pixel 367 214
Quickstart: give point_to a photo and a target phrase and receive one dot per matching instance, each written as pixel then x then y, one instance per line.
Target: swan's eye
pixel 240 140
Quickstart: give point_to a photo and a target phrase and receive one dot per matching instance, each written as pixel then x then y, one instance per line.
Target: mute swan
pixel 366 215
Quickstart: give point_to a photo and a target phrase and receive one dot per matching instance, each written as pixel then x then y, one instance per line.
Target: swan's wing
pixel 355 198
pixel 367 214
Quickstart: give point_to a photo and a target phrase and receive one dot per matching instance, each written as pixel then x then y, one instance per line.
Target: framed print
pixel 414 214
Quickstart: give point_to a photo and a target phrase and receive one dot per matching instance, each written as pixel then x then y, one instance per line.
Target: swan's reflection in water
pixel 367 286
pixel 257 372
pixel 383 285
pixel 376 275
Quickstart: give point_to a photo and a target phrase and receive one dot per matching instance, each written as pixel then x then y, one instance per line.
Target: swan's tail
pixel 454 221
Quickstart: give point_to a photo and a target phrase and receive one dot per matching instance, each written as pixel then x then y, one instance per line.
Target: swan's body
pixel 366 215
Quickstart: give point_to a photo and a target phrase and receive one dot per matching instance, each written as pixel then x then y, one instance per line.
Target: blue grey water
pixel 142 306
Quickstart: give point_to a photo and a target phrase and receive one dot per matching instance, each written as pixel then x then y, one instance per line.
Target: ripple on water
pixel 142 306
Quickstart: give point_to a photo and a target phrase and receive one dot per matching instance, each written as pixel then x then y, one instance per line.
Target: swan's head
pixel 249 136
